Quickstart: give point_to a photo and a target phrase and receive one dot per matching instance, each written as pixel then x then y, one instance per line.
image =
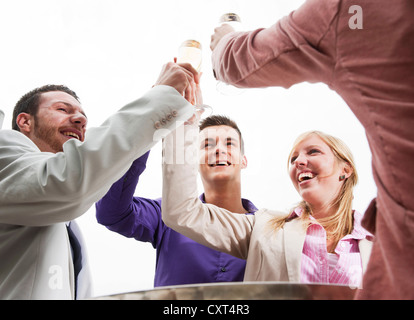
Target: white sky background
pixel 110 52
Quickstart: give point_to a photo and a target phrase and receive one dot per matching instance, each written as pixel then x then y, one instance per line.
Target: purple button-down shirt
pixel 180 260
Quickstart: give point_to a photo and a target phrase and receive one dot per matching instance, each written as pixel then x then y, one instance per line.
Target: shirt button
pixel 223 269
pixel 174 113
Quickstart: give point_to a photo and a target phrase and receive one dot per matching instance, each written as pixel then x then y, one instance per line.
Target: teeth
pixel 305 176
pixel 71 134
pixel 221 163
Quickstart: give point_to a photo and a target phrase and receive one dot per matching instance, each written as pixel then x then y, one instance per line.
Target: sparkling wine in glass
pixel 233 19
pixel 190 51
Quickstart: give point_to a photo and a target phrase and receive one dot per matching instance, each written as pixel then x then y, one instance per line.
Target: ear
pixel 244 162
pixel 25 122
pixel 347 170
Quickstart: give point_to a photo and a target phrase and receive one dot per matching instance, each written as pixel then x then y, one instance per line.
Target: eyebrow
pixel 207 140
pixel 227 139
pixel 212 140
pixel 232 139
pixel 317 146
pixel 309 147
pixel 71 106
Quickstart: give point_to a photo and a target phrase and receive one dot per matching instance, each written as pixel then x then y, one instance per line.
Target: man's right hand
pixel 183 77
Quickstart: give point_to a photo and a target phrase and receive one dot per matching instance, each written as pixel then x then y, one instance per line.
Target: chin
pixel 307 196
pixel 57 148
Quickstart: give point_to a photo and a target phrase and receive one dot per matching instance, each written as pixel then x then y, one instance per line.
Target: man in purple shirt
pixel 181 260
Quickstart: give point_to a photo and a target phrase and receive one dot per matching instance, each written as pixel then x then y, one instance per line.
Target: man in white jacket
pixel 1 118
pixel 51 173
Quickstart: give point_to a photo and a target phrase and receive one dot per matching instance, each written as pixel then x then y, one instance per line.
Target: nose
pixel 80 119
pixel 220 148
pixel 300 161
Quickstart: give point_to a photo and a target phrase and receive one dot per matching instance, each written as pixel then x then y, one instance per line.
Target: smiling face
pixel 58 119
pixel 315 171
pixel 221 158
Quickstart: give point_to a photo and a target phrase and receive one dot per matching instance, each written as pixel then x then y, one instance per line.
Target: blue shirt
pixel 180 260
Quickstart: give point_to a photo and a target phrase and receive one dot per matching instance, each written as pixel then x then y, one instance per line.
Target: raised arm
pixel 63 186
pixel 134 217
pixel 184 212
pixel 295 49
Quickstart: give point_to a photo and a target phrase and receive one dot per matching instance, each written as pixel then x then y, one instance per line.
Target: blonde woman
pixel 320 241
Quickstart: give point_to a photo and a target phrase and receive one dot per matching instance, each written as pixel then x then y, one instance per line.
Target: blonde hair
pixel 341 223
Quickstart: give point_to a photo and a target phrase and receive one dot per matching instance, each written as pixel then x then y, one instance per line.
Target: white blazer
pixel 40 191
pixel 1 118
pixel 271 255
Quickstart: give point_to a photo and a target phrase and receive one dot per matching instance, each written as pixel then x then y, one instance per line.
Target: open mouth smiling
pixel 72 134
pixel 305 176
pixel 220 164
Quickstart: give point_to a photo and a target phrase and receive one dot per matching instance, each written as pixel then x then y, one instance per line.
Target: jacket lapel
pixel 294 239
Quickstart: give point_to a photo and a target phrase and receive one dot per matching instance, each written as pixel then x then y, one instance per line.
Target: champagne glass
pixel 190 51
pixel 234 21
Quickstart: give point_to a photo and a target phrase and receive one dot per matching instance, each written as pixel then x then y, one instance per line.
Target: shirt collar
pixel 358 232
pixel 296 213
pixel 247 204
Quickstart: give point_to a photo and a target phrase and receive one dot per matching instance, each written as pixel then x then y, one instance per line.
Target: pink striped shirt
pixel 342 267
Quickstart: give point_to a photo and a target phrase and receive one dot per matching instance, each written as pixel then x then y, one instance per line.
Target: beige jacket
pixel 270 255
pixel 40 191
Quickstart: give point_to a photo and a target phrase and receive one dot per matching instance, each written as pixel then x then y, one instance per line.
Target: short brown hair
pixel 29 103
pixel 220 120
